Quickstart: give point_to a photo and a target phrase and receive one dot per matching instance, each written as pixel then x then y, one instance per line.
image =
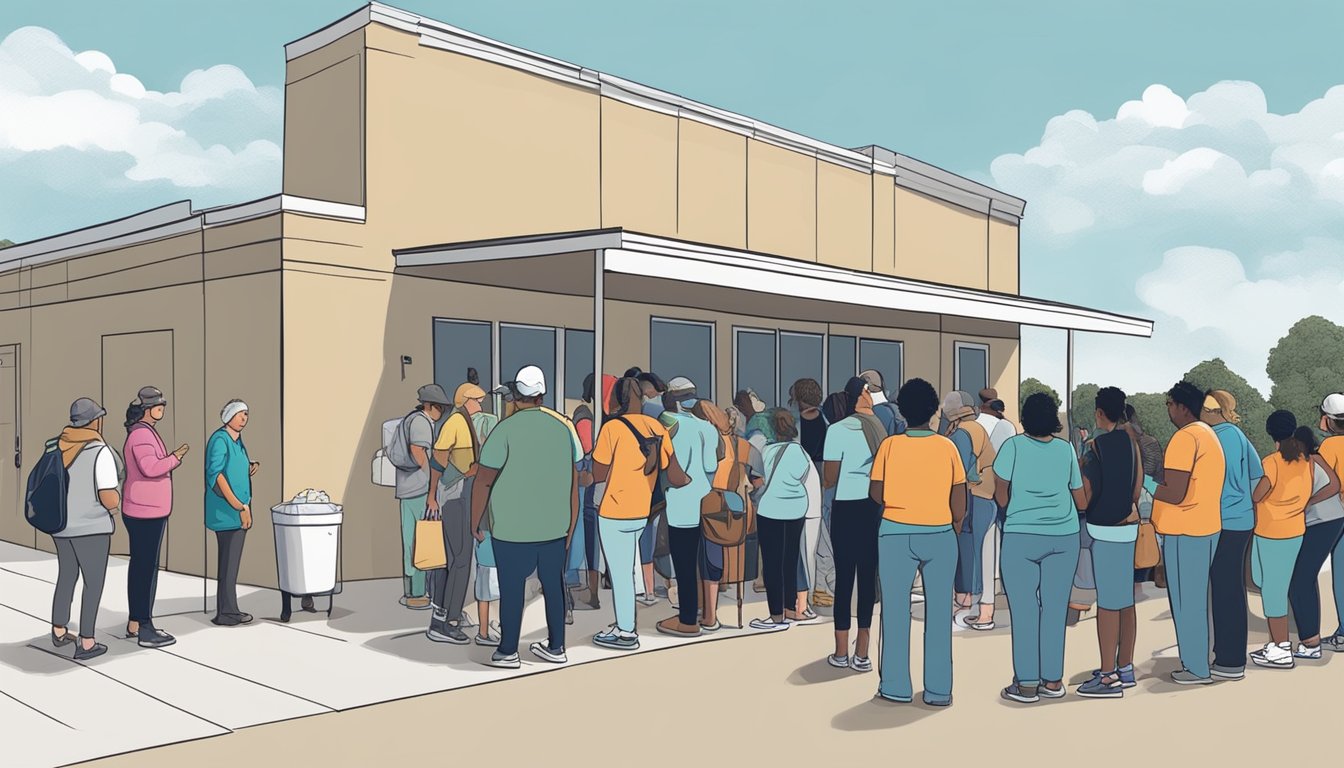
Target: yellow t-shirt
pixel 917 476
pixel 629 491
pixel 1332 450
pixel 455 438
pixel 1282 514
pixel 1194 449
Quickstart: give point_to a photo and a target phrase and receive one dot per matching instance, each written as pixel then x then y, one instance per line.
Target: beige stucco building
pixel 450 201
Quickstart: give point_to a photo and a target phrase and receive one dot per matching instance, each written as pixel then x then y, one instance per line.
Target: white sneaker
pixel 768 625
pixel 1274 656
pixel 839 662
pixel 916 598
pixel 543 652
pixel 1306 652
pixel 860 663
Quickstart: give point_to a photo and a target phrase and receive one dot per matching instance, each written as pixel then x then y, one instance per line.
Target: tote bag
pixel 429 552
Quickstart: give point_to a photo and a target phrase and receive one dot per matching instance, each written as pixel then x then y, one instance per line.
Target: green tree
pixel 1031 387
pixel 5 243
pixel 1306 365
pixel 1251 405
pixel 1084 406
pixel 1151 410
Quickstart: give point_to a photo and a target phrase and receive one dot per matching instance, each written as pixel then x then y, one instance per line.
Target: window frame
pixel 957 346
pixel 889 383
pixel 713 347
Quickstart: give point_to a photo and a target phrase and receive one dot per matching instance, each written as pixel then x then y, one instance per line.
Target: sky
pixel 1181 161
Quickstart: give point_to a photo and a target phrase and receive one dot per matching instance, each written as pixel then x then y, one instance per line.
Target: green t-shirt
pixel 535 454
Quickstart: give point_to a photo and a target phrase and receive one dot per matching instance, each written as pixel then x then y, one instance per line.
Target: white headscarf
pixel 232 409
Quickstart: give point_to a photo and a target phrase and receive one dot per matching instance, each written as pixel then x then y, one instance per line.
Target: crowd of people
pixel 839 500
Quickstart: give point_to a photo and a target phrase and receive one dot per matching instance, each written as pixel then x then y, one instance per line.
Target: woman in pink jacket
pixel 148 500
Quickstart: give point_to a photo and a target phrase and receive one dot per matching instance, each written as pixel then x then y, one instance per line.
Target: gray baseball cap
pixel 433 394
pixel 151 397
pixel 84 412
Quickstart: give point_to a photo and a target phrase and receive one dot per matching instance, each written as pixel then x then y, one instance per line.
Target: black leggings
pixel 1304 593
pixel 854 547
pixel 1227 585
pixel 780 542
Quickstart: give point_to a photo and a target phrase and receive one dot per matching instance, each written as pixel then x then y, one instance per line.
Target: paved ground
pixel 365 688
pixel 772 699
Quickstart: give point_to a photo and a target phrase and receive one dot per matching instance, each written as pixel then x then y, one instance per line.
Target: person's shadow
pixel 878 714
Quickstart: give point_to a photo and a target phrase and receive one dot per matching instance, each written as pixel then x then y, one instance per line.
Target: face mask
pixel 688 404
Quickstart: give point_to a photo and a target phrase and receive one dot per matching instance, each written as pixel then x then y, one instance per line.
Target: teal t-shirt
pixel 1042 474
pixel 228 457
pixel 535 454
pixel 785 496
pixel 696 445
pixel 846 444
pixel 1244 471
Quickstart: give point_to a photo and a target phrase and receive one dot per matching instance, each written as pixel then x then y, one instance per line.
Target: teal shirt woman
pixel 228 506
pixel 226 455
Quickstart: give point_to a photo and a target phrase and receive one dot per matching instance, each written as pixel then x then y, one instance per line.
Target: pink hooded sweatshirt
pixel 149 466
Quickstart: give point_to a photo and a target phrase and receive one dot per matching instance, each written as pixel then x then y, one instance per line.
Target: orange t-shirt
pixel 629 491
pixel 1332 450
pixel 1194 449
pixel 917 475
pixel 1282 514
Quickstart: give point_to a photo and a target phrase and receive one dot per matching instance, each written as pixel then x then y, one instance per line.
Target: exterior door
pixel 132 361
pixel 13 527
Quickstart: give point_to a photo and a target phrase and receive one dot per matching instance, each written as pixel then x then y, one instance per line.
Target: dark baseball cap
pixel 433 394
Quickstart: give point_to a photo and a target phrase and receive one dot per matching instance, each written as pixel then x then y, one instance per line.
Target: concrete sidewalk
pixel 218 679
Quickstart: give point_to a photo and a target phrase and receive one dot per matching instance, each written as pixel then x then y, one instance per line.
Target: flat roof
pixel 908 172
pixel 634 253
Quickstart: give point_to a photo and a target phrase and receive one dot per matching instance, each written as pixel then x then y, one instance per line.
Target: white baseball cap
pixel 1333 405
pixel 530 381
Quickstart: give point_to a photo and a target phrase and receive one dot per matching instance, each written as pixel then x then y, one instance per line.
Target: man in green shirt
pixel 527 479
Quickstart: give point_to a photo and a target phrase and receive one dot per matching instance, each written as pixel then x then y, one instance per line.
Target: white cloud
pixel 1210 214
pixel 68 116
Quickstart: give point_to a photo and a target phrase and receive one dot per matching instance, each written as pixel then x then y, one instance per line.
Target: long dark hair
pixel 135 413
pixel 833 410
pixel 622 394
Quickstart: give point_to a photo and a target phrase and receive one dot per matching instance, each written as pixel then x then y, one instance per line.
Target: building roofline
pixel 164 221
pixel 907 171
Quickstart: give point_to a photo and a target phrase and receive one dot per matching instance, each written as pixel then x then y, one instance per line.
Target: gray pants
pixel 448 586
pixel 230 560
pixel 824 579
pixel 86 557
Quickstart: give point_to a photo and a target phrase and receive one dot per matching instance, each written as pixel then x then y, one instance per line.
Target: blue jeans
pixel 620 547
pixel 1038 576
pixel 516 561
pixel 970 546
pixel 1188 559
pixel 900 556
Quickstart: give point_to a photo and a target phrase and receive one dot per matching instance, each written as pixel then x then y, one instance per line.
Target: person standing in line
pixel 732 475
pixel 590 598
pixel 1325 524
pixel 1227 575
pixel 83 546
pixel 1332 453
pixel 1281 500
pixel 984 510
pixel 991 417
pixel 805 395
pixel 1187 512
pixel 919 478
pixel 486 586
pixel 958 419
pixel 527 478
pixel 228 506
pixel 886 411
pixel 452 468
pixel 1041 487
pixel 1112 481
pixel 851 444
pixel 833 411
pixel 631 450
pixel 779 518
pixel 412 490
pixel 695 444
pixel 652 389
pixel 148 503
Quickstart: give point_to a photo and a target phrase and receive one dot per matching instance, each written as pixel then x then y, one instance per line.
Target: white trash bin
pixel 307 549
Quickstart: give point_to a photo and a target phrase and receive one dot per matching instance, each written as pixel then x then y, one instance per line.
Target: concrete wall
pixel 324 123
pixel 196 315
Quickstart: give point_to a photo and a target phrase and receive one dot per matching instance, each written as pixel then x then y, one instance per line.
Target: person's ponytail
pixel 135 413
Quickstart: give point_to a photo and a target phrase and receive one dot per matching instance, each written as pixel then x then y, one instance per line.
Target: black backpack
pixel 44 502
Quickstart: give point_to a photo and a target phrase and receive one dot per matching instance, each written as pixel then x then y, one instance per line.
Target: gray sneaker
pixel 443 632
pixel 1334 643
pixel 1186 677
pixel 1228 673
pixel 616 640
pixel 151 636
pixel 501 661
